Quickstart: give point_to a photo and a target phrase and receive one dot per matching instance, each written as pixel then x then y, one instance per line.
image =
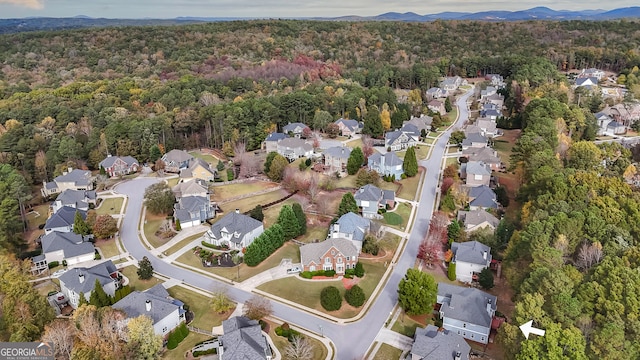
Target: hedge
pixel 310 274
pixel 176 336
pixel 211 246
pixel 53 264
pixel 287 332
pixel 205 352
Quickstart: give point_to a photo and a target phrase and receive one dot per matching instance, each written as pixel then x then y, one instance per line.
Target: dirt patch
pixel 348 283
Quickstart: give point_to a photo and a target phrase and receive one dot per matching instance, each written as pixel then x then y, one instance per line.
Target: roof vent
pixel 148 305
pixel 81 278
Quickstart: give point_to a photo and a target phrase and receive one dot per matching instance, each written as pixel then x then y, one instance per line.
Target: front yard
pixel 184 243
pixel 410 186
pixel 110 206
pixel 131 272
pixel 387 352
pixel 400 217
pixel 108 247
pixel 320 352
pixel 187 344
pixel 152 224
pixel 200 305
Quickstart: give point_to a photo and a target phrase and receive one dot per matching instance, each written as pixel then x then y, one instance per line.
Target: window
pixel 347 258
pixel 464 325
pixel 333 252
pixel 483 338
pixel 339 260
pixel 327 260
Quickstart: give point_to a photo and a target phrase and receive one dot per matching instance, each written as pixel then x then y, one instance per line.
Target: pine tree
pixel 347 204
pixel 302 218
pixel 257 213
pixel 277 234
pixel 372 123
pixel 355 161
pixel 83 300
pixel 447 105
pixel 79 225
pixel 287 219
pixel 410 164
pixel 145 270
pixel 99 297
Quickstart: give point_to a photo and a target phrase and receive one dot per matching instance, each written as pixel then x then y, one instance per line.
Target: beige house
pixel 198 169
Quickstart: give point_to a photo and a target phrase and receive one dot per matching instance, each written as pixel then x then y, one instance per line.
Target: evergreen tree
pixel 79 225
pixel 287 219
pixel 145 270
pixel 417 292
pixel 410 164
pixel 99 297
pixel 302 218
pixel 220 166
pixel 486 278
pixel 277 234
pixel 82 300
pixel 447 105
pixel 355 161
pixel 372 124
pixel 257 213
pixel 154 153
pixel 347 204
pixel 268 161
pixel 355 296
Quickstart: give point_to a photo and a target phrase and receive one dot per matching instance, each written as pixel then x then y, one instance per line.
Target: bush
pixel 64 262
pixel 285 331
pixel 205 352
pixel 329 273
pixel 229 174
pixel 306 274
pixel 307 162
pixel 211 246
pixel 355 296
pixel 359 270
pixel 53 264
pixel 382 211
pixel 178 227
pixel 97 257
pixel 451 272
pixel 330 298
pixel 486 279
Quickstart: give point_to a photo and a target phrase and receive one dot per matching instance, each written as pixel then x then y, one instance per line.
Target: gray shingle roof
pixel 477 217
pixel 76 198
pixel 487 155
pixel 294 143
pixel 193 163
pixel 431 344
pixel 276 136
pixel 411 129
pixel 473 137
pixel 466 304
pixel 235 223
pixel 315 251
pixel 351 223
pixel 102 272
pixel 372 193
pixel 292 127
pixel 582 80
pixel 341 152
pixel 70 243
pixel 135 304
pixel 76 176
pixel 158 290
pixel 390 158
pixel 243 340
pixel 352 124
pixel 188 188
pixel 65 216
pixel 483 196
pixel 422 122
pixel 178 156
pixel 471 252
pixel 478 168
pixel 110 160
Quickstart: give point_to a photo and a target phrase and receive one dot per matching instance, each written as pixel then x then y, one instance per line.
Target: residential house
pixel 421 123
pixel 490 90
pixel 486 155
pixel 387 164
pixel 165 312
pixel 482 197
pixel 296 129
pixel 371 198
pixel 198 169
pixel 399 140
pixel 332 254
pixel 63 219
pixel 487 127
pixel 349 127
pixel 592 72
pixel 467 312
pixel 119 165
pixel 72 179
pixel 411 129
pixel 195 187
pixel 272 140
pixel 193 210
pixel 477 219
pixel 474 140
pixel 615 128
pixel 586 81
pixel 77 199
pixel 243 339
pixel 603 119
pixel 176 160
pixel 470 258
pixel 625 113
pixel 451 84
pixel 496 79
pixel 352 227
pixel 496 100
pixel 235 230
pixel 433 343
pixel 294 148
pixel 335 158
pixel 475 173
pixel 68 246
pixel 82 280
pixel 437 106
pixel 492 114
pixel 614 93
pixel 435 93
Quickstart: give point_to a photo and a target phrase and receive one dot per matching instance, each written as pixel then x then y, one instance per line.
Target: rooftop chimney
pixel 81 278
pixel 489 310
pixel 148 305
pixel 69 169
pixel 458 355
pixel 237 211
pixel 484 255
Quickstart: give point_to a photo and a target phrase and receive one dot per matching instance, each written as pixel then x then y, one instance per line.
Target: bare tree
pixel 300 348
pixel 314 187
pixel 250 165
pixel 208 98
pixel 257 307
pixel 589 255
pixel 367 146
pixel 62 334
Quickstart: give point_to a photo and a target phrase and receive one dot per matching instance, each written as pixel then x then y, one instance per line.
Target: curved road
pixel 351 340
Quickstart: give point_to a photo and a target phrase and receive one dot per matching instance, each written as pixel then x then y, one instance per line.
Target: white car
pixel 294 270
pixel 57 273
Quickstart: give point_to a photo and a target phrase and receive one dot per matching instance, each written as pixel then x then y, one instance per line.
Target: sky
pixel 276 8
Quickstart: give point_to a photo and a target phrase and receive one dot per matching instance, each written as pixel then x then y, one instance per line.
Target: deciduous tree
pixel 257 308
pixel 220 301
pixel 62 334
pixel 159 199
pixel 417 292
pixel 277 167
pixel 142 342
pixel 105 226
pixel 299 348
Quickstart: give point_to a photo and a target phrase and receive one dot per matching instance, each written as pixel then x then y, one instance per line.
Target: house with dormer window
pixel 235 230
pixel 332 254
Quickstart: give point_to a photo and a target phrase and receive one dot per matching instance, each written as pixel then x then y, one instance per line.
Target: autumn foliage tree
pixel 257 307
pixel 105 226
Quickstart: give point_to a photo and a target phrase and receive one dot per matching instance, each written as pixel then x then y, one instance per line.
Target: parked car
pixel 294 270
pixel 58 273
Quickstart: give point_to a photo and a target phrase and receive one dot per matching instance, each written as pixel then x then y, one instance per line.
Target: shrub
pixel 355 296
pixel 205 352
pixel 359 270
pixel 53 264
pixel 486 279
pixel 229 174
pixel 64 262
pixel 451 272
pixel 307 162
pixel 306 274
pixel 172 343
pixel 97 257
pixel 330 298
pixel 329 273
pixel 178 227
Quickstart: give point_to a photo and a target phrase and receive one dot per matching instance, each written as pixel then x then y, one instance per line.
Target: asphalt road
pixel 351 340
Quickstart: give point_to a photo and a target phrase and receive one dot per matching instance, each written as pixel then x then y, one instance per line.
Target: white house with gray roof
pixel 470 258
pixel 243 339
pixel 465 311
pixel 294 129
pixel 272 140
pixel 63 219
pixel 400 140
pixel 477 219
pixel 371 198
pixel 474 140
pixel 352 227
pixel 349 127
pixel 165 312
pixel 77 199
pixel 73 179
pixel 294 148
pixel 235 230
pixel 332 254
pixel 433 343
pixel 68 246
pixel 335 158
pixel 119 165
pixel 176 160
pixel 82 280
pixel 194 187
pixel 386 164
pixel 487 155
pixel 193 211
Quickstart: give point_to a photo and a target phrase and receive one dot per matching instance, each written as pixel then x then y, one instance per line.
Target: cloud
pixel 31 4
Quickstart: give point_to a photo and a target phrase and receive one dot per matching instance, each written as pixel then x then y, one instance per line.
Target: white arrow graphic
pixel 527 328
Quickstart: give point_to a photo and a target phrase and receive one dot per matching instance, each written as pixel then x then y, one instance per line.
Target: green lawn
pixel 108 248
pixel 37 216
pixel 388 352
pixel 453 114
pixel 204 317
pixel 392 218
pixel 287 251
pixel 320 352
pixel 410 186
pixel 405 325
pixel 110 206
pixel 249 203
pixel 136 284
pixel 433 134
pixel 451 161
pixel 355 143
pixel 504 151
pixel 206 157
pixel 223 192
pixel 428 141
pixel 182 243
pixel 187 344
pixel 314 233
pixel 399 218
pixel 421 152
pixel 388 186
pixel 151 225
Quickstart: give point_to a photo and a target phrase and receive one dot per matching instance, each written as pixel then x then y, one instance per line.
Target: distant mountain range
pixel 537 13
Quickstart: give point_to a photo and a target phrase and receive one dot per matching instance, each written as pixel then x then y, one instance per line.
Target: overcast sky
pixel 276 8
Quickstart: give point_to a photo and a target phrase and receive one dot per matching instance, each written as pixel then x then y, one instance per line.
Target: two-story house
pixel 432 343
pixel 474 140
pixel 589 82
pixel 73 179
pixel 335 158
pixel 467 312
pixel 592 72
pixel 193 187
pixel 451 84
pixel 272 140
pixel 77 199
pixel 388 164
pixel 198 169
pixel 294 148
pixel 352 227
pixel 119 165
pixel 294 129
pixel 235 230
pixel 496 80
pixel 165 312
pixel 475 173
pixel 176 160
pixel 470 258
pixel 482 197
pixel 63 219
pixel 193 211
pixel 67 246
pixel 332 254
pixel 437 106
pixel 435 93
pixel 477 219
pixel 243 339
pixel 487 127
pixel 486 155
pixel 421 123
pixel 349 127
pixel 371 198
pixel 400 140
pixel 81 280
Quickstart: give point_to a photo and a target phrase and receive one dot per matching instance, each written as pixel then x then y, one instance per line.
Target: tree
pixel 220 301
pixel 370 245
pixel 385 119
pixel 276 169
pixel 486 279
pixel 330 298
pixel 299 348
pixel 417 292
pixel 355 296
pixel 100 332
pixel 257 213
pixel 143 343
pixel 62 334
pixel 457 137
pixel 347 204
pixel 268 161
pixel 105 226
pixel 355 161
pixel 447 105
pixel 359 270
pixel 410 163
pixel 80 227
pixel 584 155
pixel 501 195
pixel 289 222
pixel 145 269
pixel 321 120
pixel 257 307
pixel 365 176
pixel 333 130
pixel 99 297
pixel 372 123
pixel 159 199
pixel 302 218
pixel 451 271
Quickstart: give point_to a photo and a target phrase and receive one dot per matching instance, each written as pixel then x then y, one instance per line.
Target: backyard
pixel 504 145
pixel 224 192
pixel 200 305
pixel 400 217
pixel 250 202
pixel 131 272
pixel 406 324
pixel 110 206
pixel 187 344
